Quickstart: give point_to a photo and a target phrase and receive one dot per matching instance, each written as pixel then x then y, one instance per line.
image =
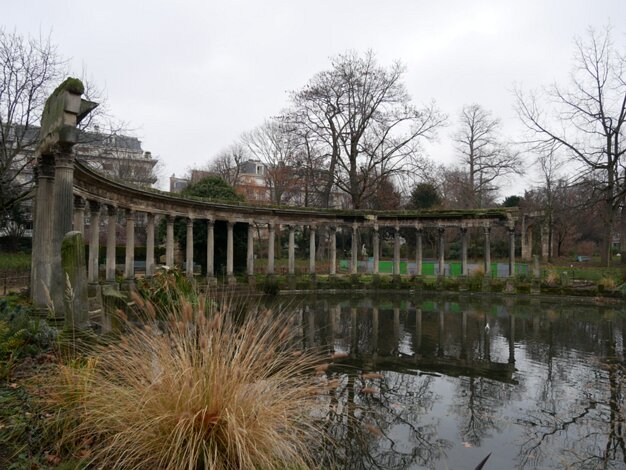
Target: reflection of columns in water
pixel 396 251
pixel 189 257
pixel 111 222
pixel 511 339
pixel 310 326
pixel 464 335
pixel 354 336
pixel 354 260
pixel 486 338
pixel 418 252
pixel 418 331
pixel 396 327
pixel 335 312
pixel 440 331
pixel 129 267
pixel 441 251
pixel 375 315
pixel 270 248
pixel 376 243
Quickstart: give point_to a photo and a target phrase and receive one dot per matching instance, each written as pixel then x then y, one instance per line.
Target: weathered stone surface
pixel 73 268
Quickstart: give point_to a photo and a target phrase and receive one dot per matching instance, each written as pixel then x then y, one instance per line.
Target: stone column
pixel 129 267
pixel 270 248
pixel 464 268
pixel 487 255
pixel 250 254
pixel 333 250
pixel 396 251
pixel 441 249
pixel 63 213
pixel 210 249
pixel 354 258
pixel 189 257
pixel 79 214
pixel 312 232
pixel 169 241
pixel 545 243
pixel 376 243
pixel 292 251
pixel 43 233
pixel 150 265
pixel 229 249
pixel 419 256
pixel 94 241
pixel 111 225
pixel 511 252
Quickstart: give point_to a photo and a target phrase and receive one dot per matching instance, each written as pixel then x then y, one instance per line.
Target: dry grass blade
pixel 219 393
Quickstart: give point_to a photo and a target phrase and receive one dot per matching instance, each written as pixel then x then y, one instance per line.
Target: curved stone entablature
pixel 93 186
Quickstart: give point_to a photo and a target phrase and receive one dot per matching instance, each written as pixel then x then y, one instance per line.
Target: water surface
pixel 536 384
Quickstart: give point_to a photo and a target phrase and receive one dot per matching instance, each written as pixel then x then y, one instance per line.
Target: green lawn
pixel 14 261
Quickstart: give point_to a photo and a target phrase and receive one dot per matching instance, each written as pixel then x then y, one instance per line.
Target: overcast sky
pixel 191 76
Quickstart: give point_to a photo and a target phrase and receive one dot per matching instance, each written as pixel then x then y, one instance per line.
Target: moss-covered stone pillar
pixel 169 241
pixel 189 254
pixel 150 265
pixel 94 241
pixel 229 251
pixel 376 249
pixel 511 252
pixel 111 229
pixel 129 265
pixel 419 257
pixel 487 253
pixel 291 251
pixel 76 306
pixel 250 253
pixel 312 234
pixel 354 252
pixel 271 228
pixel 545 243
pixel 396 251
pixel 210 250
pixel 43 223
pixel 464 269
pixel 79 214
pixel 441 247
pixel 333 250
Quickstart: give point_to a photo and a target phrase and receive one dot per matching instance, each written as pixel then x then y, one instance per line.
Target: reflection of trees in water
pixel 588 431
pixel 364 425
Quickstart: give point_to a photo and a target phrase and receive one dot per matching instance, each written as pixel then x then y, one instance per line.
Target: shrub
pixel 607 283
pixel 201 390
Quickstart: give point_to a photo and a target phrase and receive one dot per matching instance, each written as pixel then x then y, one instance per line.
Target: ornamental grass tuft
pixel 208 387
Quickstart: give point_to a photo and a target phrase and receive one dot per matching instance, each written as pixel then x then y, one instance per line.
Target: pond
pixel 441 382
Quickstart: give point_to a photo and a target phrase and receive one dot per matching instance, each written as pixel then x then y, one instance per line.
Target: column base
pixel 509 286
pixel 291 281
pixel 211 281
pixel 128 285
pixel 231 280
pixel 463 284
pixel 486 284
pixel 251 280
pixel 535 287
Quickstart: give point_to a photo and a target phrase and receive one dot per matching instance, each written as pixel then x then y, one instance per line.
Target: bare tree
pixel 229 163
pixel 361 114
pixel 28 69
pixel 484 155
pixel 587 122
pixel 276 145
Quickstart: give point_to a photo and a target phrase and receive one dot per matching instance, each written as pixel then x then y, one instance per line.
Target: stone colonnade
pixel 113 212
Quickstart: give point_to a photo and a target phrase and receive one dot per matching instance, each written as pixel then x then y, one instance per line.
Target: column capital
pixel 111 210
pixel 441 230
pixel 63 157
pixel 271 226
pixel 189 221
pixel 130 213
pixel 463 230
pixel 375 227
pixel 291 227
pixel 487 229
pixel 231 223
pixel 170 218
pixel 79 202
pixel 94 206
pixel 313 227
pixel 45 167
pixel 210 222
pixel 150 215
pixel 396 228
